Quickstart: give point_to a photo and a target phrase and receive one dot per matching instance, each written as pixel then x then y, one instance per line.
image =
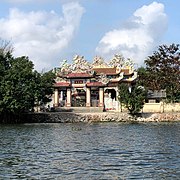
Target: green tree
pixel 132 98
pixel 21 87
pixel 163 71
pixel 5 59
pixel 143 76
pixel 17 86
pixel 44 87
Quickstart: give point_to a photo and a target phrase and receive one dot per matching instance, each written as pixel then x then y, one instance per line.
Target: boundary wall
pixel 161 107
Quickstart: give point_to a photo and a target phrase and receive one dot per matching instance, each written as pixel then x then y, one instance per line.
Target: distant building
pixel 156 96
pixel 84 84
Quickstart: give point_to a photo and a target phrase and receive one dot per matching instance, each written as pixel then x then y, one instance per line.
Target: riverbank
pixel 70 117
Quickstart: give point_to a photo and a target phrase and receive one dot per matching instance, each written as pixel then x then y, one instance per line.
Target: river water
pixel 90 151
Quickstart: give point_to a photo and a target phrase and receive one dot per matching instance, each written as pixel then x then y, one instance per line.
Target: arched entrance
pixel 111 93
pixel 110 99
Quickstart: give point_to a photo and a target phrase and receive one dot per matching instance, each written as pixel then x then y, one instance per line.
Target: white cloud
pixel 138 36
pixel 41 35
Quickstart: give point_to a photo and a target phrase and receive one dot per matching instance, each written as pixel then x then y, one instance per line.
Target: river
pixel 90 151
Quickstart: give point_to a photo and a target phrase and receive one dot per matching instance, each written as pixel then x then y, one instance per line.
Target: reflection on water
pixel 90 151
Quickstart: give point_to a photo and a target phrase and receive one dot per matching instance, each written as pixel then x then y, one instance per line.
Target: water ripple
pixel 96 151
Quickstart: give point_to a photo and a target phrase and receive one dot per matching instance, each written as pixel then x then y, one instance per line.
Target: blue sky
pixel 49 31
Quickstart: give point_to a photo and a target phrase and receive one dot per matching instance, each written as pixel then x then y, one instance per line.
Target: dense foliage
pixel 21 87
pixel 132 98
pixel 162 71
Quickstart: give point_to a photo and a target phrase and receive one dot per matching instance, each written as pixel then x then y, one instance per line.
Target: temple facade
pixel 84 84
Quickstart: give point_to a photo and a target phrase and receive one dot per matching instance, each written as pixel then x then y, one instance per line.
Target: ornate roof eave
pixel 116 79
pixel 132 79
pixel 128 80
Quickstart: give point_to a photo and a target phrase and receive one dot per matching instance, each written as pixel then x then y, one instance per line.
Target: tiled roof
pixel 78 75
pixel 107 71
pixel 62 84
pixel 94 84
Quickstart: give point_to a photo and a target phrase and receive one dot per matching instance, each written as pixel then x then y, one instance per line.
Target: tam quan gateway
pixel 84 84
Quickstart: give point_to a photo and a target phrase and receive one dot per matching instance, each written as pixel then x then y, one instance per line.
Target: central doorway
pixel 79 97
pixel 94 96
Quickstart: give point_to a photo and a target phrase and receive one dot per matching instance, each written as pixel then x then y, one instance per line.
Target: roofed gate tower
pixel 91 84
